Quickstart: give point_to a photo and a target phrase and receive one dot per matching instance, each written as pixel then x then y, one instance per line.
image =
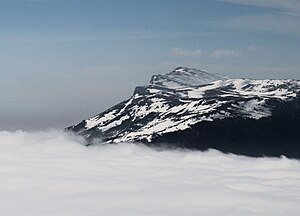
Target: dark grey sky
pixel 63 61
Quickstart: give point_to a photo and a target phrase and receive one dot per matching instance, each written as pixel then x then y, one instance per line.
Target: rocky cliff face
pixel 195 109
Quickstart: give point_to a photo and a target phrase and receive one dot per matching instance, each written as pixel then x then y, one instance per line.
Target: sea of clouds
pixel 53 173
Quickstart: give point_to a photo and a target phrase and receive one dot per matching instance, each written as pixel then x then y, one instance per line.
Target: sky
pixel 64 61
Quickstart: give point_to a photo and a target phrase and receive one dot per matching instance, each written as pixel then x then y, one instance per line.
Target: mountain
pixel 190 108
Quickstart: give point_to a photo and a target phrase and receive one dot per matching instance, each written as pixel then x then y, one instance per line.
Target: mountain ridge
pixel 181 100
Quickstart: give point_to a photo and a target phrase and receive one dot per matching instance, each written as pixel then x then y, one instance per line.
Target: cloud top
pixel 52 173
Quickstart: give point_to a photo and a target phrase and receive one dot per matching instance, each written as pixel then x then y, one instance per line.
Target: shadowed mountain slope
pixel 194 109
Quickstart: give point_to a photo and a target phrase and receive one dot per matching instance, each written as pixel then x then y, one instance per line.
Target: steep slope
pixel 195 109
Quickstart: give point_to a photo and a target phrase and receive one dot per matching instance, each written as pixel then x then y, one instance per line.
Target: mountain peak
pixel 184 76
pixel 195 109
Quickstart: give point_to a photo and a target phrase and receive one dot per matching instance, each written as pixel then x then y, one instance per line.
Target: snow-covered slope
pixel 185 97
pixel 182 76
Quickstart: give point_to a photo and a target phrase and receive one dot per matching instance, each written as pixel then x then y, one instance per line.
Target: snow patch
pixel 90 123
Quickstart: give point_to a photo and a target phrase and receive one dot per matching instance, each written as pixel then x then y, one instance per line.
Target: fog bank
pixel 52 173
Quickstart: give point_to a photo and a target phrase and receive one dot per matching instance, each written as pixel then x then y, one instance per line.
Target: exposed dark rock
pixel 189 108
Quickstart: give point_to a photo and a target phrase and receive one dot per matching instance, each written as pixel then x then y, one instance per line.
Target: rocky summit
pixel 194 109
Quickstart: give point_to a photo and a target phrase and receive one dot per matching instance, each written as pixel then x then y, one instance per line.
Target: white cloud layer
pixel 51 173
pixel 187 53
pixel 225 53
pixel 218 53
